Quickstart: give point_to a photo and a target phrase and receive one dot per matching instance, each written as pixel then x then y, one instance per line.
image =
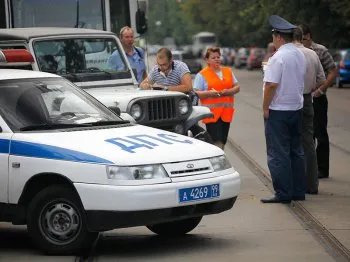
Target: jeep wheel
pixel 175 228
pixel 201 134
pixel 56 222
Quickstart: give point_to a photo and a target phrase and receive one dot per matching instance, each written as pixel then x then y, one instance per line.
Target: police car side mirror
pixel 115 109
pixel 0 129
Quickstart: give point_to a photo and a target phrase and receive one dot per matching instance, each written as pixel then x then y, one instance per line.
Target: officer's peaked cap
pixel 280 24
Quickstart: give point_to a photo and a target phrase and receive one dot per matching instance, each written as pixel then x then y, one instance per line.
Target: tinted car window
pixel 66 57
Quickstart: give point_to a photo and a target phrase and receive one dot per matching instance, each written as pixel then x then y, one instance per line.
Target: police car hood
pixel 123 145
pixel 121 97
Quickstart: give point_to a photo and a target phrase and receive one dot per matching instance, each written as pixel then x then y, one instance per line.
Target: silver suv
pixel 81 55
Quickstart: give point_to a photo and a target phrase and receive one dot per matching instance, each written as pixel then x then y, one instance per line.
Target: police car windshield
pixel 81 59
pixel 52 102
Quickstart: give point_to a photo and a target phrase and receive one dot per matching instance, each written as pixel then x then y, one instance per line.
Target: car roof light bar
pixel 16 56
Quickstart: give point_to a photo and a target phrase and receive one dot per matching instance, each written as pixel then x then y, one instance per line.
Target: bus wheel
pixel 175 228
pixel 56 222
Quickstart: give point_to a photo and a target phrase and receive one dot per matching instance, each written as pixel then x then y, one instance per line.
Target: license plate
pixel 199 193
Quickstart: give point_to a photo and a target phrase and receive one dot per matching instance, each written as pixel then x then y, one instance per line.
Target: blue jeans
pixel 285 154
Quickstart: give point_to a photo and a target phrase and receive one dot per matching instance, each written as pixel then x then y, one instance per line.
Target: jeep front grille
pixel 161 109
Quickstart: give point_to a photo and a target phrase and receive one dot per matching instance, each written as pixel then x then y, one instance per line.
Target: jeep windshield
pixel 50 103
pixel 82 59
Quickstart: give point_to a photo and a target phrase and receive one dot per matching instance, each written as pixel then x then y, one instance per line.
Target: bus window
pixel 120 15
pixel 2 14
pixel 63 13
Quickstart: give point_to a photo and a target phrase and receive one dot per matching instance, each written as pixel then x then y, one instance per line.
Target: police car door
pixel 5 137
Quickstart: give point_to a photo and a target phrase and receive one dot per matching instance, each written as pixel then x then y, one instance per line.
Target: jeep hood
pixel 121 97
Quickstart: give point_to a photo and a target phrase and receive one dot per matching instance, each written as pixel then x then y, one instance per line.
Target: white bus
pixel 108 15
pixel 201 41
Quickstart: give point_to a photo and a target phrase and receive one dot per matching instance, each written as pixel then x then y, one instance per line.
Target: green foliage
pixel 244 22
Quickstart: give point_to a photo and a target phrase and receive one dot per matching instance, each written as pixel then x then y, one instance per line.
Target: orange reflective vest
pixel 222 106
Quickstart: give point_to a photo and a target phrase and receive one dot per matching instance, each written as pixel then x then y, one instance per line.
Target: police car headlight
pixel 136 111
pixel 148 172
pixel 220 163
pixel 183 106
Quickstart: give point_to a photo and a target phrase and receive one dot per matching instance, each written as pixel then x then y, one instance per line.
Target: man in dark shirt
pixel 321 102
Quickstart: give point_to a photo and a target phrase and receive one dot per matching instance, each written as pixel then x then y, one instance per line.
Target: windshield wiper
pixel 107 123
pixel 52 126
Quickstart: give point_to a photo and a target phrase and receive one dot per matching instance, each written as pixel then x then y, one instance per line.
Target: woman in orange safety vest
pixel 216 87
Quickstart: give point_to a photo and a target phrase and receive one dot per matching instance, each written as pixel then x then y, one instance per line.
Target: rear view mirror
pixel 141 22
pixel 0 129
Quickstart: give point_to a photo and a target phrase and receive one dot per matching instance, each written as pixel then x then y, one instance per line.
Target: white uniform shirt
pixel 287 68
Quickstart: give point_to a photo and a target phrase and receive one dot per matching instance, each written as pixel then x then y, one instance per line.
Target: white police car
pixel 70 167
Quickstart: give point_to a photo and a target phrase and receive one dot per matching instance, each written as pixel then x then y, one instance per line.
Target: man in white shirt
pixel 313 80
pixel 282 110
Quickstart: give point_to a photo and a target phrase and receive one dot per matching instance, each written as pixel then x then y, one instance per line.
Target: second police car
pixel 70 167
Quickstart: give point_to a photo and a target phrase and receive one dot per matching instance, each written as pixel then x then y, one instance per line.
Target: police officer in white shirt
pixel 282 109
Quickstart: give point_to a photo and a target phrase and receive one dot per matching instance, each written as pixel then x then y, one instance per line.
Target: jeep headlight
pixel 136 111
pixel 138 173
pixel 183 106
pixel 220 163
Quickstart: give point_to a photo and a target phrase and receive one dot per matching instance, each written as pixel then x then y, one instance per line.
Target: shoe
pixel 274 200
pixel 312 192
pixel 298 198
pixel 322 175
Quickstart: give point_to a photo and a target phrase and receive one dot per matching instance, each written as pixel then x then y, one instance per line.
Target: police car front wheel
pixel 175 228
pixel 56 222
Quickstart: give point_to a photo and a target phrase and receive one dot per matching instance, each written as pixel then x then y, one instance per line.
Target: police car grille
pixel 161 109
pixel 189 171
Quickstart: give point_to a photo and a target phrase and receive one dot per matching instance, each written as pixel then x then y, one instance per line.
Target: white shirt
pixel 314 72
pixel 287 68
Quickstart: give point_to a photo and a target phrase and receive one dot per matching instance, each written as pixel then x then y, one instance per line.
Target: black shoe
pixel 274 200
pixel 298 198
pixel 312 192
pixel 322 175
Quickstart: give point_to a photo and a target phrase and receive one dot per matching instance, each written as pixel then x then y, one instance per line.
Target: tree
pixel 245 22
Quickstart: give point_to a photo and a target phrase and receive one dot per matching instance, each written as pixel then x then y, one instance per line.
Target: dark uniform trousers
pixel 285 154
pixel 309 144
pixel 321 134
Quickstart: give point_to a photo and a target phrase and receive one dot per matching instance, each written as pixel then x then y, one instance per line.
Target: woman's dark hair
pixel 212 50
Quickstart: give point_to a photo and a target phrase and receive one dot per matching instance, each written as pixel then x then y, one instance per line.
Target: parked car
pixel 270 50
pixel 255 58
pixel 227 56
pixel 241 57
pixel 189 59
pixel 342 61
